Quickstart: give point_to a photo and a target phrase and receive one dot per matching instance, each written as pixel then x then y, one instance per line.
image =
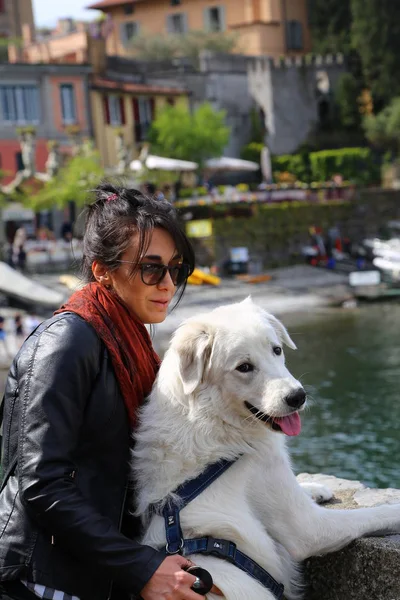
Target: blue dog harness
pixel 176 544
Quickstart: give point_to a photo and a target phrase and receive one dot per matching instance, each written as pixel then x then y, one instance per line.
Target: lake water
pixel 349 362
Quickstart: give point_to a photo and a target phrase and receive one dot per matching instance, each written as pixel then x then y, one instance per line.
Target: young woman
pixel 70 404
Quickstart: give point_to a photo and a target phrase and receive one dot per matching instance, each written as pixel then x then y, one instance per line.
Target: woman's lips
pixel 161 303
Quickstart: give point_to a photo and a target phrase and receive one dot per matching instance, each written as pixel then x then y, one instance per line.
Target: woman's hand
pixel 171 582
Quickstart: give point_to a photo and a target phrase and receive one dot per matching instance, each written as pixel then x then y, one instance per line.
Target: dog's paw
pixel 318 492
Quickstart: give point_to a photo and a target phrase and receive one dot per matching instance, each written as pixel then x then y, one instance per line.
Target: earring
pixel 108 286
pixel 102 282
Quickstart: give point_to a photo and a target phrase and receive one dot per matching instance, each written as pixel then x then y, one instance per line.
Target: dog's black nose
pixel 296 398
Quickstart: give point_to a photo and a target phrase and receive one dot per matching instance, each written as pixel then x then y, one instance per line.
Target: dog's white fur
pixel 196 415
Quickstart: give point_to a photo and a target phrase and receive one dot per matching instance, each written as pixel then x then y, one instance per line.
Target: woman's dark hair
pixel 116 214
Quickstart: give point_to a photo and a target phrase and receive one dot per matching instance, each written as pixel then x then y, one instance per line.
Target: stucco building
pixel 264 27
pixel 123 108
pixel 48 99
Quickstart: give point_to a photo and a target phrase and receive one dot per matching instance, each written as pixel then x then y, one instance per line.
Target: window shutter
pixel 135 106
pixel 122 109
pixel 222 17
pixel 170 24
pixel 289 41
pixel 152 108
pixel 185 23
pixel 122 34
pixel 136 116
pixel 106 110
pixel 299 35
pixel 206 19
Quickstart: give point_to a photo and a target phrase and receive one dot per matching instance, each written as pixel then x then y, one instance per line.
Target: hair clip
pixel 112 197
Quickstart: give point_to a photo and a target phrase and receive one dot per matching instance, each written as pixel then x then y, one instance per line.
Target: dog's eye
pixel 277 350
pixel 245 368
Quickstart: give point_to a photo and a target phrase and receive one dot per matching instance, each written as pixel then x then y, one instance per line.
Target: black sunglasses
pixel 154 273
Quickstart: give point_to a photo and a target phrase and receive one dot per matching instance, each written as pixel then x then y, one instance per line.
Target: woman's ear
pixel 101 274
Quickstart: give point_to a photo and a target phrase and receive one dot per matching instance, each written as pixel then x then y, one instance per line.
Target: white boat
pixel 16 285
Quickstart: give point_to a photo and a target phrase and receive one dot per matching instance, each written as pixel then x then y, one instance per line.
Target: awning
pixel 224 163
pixel 16 212
pixel 161 163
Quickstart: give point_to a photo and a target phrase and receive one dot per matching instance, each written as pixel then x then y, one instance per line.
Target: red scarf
pixel 126 338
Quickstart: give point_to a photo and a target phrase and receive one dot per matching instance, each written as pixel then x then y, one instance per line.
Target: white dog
pixel 223 391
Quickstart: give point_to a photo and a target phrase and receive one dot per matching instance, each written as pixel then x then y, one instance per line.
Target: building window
pixel 294 35
pixel 171 101
pixel 68 109
pixel 143 113
pixel 19 104
pixel 177 23
pixel 175 2
pixel 129 30
pixel 214 18
pixel 129 9
pixel 114 110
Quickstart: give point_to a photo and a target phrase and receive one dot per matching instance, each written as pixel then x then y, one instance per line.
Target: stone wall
pixel 292 94
pixel 368 568
pixel 289 91
pixel 276 233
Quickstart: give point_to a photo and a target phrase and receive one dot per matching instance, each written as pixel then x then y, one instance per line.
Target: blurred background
pixel 274 128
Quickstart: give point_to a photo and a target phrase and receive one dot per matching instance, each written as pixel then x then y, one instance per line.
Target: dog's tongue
pixel 291 425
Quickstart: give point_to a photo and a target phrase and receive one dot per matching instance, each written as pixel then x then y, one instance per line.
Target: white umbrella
pixel 163 164
pixel 224 163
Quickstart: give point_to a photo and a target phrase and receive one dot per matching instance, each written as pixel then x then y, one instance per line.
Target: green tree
pixel 80 174
pixel 347 93
pixel 368 33
pixel 330 25
pixel 197 136
pixel 383 129
pixel 376 37
pixel 148 46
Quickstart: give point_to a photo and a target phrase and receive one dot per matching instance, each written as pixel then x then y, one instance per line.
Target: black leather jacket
pixel 62 508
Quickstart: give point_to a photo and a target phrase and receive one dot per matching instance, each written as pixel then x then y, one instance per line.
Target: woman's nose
pixel 166 282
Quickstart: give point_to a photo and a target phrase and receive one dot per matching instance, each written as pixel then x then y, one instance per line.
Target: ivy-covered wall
pixel 276 233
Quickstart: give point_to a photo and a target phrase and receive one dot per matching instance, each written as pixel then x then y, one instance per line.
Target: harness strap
pixel 187 492
pixel 208 545
pixel 228 551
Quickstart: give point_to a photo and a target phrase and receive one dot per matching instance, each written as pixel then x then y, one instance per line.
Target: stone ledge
pixel 367 569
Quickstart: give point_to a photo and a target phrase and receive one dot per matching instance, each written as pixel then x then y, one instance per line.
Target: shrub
pixel 186 193
pixel 357 165
pixel 252 151
pixel 353 164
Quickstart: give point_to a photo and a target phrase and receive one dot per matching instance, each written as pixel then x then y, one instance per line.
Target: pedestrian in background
pixel 3 337
pixel 19 327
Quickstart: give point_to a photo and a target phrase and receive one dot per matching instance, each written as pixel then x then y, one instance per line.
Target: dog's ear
pixel 194 351
pixel 282 332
